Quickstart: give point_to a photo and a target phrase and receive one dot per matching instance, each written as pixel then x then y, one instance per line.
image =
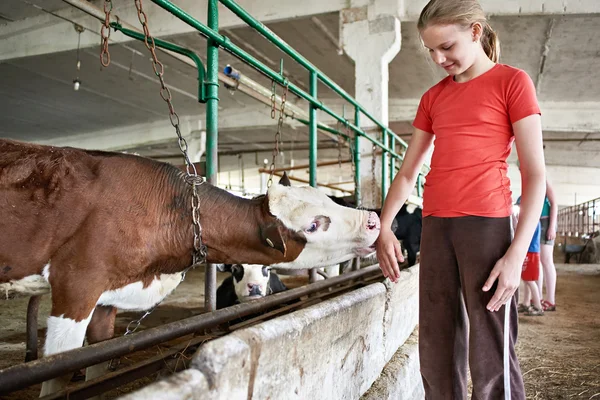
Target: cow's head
pixel 250 281
pixel 333 233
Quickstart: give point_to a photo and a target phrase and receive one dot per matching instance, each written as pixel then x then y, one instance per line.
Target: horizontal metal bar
pixel 131 373
pixel 23 375
pixel 325 128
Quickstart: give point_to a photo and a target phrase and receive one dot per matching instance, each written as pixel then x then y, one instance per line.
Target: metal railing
pixel 581 219
pixel 216 40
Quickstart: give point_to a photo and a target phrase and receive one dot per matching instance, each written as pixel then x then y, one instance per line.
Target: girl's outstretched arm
pixel 388 248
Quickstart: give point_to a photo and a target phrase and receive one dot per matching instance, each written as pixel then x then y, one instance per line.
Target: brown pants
pixel 457 256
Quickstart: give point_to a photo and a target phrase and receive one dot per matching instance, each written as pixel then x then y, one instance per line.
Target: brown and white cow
pixel 114 230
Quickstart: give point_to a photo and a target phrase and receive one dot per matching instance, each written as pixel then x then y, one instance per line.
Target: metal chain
pixel 192 178
pixel 276 149
pixel 105 34
pixel 137 322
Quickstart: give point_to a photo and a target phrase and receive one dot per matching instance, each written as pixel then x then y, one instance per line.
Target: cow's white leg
pixel 63 334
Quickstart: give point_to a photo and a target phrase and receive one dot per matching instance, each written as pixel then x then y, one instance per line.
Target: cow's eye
pixel 265 271
pixel 313 227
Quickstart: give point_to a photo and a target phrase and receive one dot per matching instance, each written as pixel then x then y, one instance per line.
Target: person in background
pixel 531 304
pixel 548 222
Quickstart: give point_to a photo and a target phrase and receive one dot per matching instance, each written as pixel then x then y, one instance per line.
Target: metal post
pixel 384 167
pixel 312 132
pixel 356 153
pixel 212 137
pixel 312 145
pixel 419 191
pixel 31 351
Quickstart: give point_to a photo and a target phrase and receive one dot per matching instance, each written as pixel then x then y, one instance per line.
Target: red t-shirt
pixel 472 124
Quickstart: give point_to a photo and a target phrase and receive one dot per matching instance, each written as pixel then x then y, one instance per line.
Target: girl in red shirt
pixel 470 264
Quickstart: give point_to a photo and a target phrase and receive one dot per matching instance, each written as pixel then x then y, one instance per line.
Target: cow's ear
pixel 285 180
pixel 271 235
pixel 224 267
pixel 237 270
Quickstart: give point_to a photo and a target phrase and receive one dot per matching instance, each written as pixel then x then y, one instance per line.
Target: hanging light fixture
pixel 77 81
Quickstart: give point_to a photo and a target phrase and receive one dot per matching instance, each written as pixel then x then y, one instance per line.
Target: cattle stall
pixel 53 366
pixel 179 339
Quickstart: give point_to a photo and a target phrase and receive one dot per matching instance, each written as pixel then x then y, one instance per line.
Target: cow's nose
pixel 373 222
pixel 254 290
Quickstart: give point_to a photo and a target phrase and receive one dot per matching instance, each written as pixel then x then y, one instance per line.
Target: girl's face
pixel 452 47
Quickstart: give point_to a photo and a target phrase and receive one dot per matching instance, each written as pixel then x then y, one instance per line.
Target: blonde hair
pixel 464 13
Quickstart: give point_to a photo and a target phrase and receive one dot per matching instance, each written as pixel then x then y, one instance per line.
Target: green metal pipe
pixel 324 127
pixel 245 56
pixel 286 48
pixel 384 168
pixel 212 104
pixel 175 48
pixel 212 137
pixel 312 132
pixel 356 151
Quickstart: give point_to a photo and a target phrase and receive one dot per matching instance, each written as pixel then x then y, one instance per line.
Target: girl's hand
pixel 389 254
pixel 508 272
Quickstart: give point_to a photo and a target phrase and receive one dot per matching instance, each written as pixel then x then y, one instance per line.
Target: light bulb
pixel 76 84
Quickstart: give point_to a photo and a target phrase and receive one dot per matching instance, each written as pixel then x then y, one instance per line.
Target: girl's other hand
pixel 508 273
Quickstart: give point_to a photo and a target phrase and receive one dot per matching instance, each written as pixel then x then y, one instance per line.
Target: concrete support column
pixel 372 40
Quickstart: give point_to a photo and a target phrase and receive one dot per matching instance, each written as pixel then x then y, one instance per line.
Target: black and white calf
pixel 247 282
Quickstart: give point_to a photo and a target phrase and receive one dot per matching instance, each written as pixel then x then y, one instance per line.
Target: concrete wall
pixel 336 349
pixel 401 378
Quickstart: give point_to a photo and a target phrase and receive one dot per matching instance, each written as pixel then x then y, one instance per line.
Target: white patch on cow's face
pixel 250 281
pixel 65 334
pixel 135 297
pixel 334 233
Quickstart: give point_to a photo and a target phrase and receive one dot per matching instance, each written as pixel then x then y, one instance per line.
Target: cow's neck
pixel 231 227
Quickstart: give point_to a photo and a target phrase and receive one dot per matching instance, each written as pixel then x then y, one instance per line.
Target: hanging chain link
pixel 105 34
pixel 136 324
pixel 276 148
